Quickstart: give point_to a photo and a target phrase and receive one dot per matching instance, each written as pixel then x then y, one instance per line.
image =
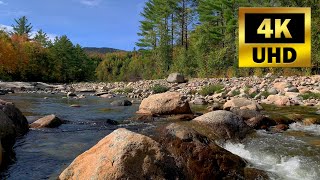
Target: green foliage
pixel 125 90
pixel 211 89
pixel 310 95
pixel 198 38
pixel 235 92
pixel 41 60
pixel 265 94
pixel 94 50
pixel 252 95
pixel 42 38
pixel 22 27
pixel 70 61
pixel 159 89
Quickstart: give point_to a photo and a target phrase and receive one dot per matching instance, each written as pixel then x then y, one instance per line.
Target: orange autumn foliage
pixel 8 58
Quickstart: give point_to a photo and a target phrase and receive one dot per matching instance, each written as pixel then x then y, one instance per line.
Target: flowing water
pixel 294 154
pixel 43 154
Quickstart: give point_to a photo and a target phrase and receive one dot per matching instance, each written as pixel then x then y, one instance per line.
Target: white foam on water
pixel 313 129
pixel 284 167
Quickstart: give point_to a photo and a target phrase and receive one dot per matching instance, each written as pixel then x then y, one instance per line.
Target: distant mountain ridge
pixel 101 50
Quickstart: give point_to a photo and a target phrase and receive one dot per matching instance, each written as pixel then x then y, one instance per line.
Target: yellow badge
pixel 274 37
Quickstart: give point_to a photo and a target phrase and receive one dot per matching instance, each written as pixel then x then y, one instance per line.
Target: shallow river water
pixel 43 154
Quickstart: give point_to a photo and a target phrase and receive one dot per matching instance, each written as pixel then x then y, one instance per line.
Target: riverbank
pixel 282 91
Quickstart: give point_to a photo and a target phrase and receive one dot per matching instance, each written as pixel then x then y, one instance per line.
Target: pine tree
pixel 22 27
pixel 42 38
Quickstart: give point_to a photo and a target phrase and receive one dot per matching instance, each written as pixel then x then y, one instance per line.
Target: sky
pixel 90 23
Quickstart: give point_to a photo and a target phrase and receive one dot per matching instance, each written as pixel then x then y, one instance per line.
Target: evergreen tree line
pixel 198 38
pixel 36 58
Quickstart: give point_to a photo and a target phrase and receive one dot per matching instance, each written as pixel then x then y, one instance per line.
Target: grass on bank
pixel 125 90
pixel 310 95
pixel 265 94
pixel 235 92
pixel 159 89
pixel 211 89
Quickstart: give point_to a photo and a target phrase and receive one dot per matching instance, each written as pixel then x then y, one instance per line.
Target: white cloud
pixel 90 2
pixel 2 3
pixel 51 37
pixel 32 34
pixel 6 28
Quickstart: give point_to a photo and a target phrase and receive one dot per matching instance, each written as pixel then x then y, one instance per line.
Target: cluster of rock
pixel 280 91
pixel 181 150
pixel 185 149
pixel 270 89
pixel 11 87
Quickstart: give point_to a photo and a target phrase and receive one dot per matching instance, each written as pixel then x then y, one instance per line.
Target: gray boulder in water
pixel 224 124
pixel 176 78
pixel 121 103
pixel 12 124
pixel 50 121
pixel 15 115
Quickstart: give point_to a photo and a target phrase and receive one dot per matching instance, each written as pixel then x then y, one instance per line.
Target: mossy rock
pixel 295 117
pixel 281 119
pixel 254 174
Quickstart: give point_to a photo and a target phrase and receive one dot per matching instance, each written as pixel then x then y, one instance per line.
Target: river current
pixel 44 153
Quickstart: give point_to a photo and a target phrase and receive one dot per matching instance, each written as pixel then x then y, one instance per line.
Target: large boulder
pixel 19 121
pixel 12 124
pixel 199 157
pixel 50 121
pixel 164 104
pixel 43 86
pixel 280 86
pixel 272 91
pixel 224 124
pixel 260 122
pixel 245 113
pixel 175 78
pixel 7 137
pixel 242 104
pixel 123 155
pixel 278 100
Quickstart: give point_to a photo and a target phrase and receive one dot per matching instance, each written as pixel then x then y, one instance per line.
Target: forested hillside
pixel 198 38
pixel 103 50
pixel 36 58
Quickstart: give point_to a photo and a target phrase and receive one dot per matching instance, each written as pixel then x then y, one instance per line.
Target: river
pixel 43 154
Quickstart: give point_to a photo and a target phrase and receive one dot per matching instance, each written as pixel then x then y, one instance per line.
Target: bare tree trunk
pixel 186 32
pixel 172 30
pixel 183 22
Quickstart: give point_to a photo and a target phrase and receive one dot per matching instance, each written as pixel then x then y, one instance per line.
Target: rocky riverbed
pixel 195 130
pixel 283 91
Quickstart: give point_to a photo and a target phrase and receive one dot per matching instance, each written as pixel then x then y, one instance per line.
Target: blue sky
pixel 93 23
